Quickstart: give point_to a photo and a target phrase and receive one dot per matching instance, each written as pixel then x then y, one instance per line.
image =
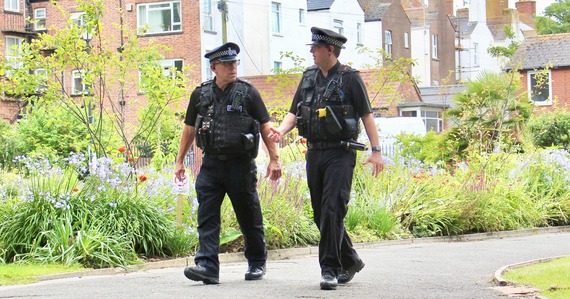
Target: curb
pixel 283 254
pixel 499 273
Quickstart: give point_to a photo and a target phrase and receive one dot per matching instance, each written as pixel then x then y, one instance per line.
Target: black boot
pixel 199 273
pixel 255 272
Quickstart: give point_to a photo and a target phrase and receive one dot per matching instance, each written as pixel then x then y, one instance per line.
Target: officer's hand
pixel 274 135
pixel 273 170
pixel 377 163
pixel 179 172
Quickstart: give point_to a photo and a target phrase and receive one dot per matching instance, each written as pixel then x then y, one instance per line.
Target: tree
pixel 556 18
pixel 490 113
pixel 103 74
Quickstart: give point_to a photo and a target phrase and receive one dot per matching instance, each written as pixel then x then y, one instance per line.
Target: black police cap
pixel 225 52
pixel 323 36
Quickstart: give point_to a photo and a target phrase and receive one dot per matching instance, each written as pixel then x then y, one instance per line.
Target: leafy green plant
pixel 550 129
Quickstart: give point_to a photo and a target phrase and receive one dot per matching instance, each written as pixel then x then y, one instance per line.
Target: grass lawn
pixel 21 274
pixel 552 278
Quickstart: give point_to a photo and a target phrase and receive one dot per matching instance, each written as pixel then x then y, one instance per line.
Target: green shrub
pixel 550 129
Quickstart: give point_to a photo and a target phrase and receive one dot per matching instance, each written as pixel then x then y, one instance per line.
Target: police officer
pixel 225 116
pixel 330 100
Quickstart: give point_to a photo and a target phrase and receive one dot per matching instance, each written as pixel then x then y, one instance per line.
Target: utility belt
pixel 347 145
pixel 224 157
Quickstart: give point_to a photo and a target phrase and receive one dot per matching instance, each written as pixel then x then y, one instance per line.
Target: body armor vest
pixel 324 114
pixel 226 128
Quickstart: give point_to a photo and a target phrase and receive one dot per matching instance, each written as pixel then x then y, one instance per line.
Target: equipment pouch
pixel 332 123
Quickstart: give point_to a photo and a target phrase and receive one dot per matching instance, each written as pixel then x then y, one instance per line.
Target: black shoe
pixel 199 273
pixel 347 275
pixel 255 272
pixel 328 282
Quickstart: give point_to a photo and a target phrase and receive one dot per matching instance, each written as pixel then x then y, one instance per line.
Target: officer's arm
pixel 186 139
pixel 274 167
pixel 286 125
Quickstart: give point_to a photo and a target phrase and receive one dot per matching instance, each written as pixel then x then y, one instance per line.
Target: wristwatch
pixel 376 148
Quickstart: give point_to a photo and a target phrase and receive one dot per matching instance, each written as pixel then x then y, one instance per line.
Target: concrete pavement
pixel 453 267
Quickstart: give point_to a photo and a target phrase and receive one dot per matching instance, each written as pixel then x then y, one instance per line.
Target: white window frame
pixel 388 41
pixel 40 15
pixel 475 54
pixel 531 89
pixel 359 33
pixel 277 66
pixel 208 16
pixel 146 9
pixel 338 26
pixel 276 17
pixel 434 46
pixel 301 16
pixel 167 64
pixel 12 55
pixel 76 80
pixel 438 119
pixel 80 21
pixel 406 40
pixel 12 5
pixel 43 74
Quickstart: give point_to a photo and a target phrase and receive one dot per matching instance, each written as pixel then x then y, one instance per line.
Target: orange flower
pixel 304 151
pixel 142 178
pixel 122 149
pixel 75 189
pixel 303 141
pixel 442 148
pixel 130 159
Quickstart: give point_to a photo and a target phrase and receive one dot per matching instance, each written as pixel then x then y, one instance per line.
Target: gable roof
pixel 373 11
pixel 313 5
pixel 543 50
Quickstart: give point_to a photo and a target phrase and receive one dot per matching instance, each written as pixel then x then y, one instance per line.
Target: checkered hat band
pixel 328 40
pixel 227 52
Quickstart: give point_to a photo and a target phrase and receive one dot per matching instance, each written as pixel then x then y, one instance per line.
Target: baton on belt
pixel 353 145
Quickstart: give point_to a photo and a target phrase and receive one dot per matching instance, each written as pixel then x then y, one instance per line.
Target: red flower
pixel 75 189
pixel 304 151
pixel 122 149
pixel 130 159
pixel 303 141
pixel 142 178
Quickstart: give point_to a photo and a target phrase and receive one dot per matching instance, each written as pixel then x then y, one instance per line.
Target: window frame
pixel 434 46
pixel 208 16
pixel 276 18
pixel 338 26
pixel 74 91
pixel 406 40
pixel 143 21
pixel 475 54
pixel 359 34
pixel 301 16
pixel 388 42
pixel 8 5
pixel 531 89
pixel 12 55
pixel 40 20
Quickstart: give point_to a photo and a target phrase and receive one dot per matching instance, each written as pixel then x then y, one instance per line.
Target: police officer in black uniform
pixel 226 117
pixel 329 102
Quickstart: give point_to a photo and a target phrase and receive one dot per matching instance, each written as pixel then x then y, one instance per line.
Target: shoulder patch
pixel 245 81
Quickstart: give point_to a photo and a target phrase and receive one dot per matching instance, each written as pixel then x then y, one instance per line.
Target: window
pixel 276 12
pixel 406 40
pixel 40 18
pixel 434 46
pixel 42 79
pixel 301 16
pixel 159 17
pixel 540 88
pixel 12 5
pixel 80 20
pixel 358 33
pixel 13 52
pixel 208 17
pixel 277 66
pixel 169 64
pixel 433 120
pixel 77 85
pixel 475 54
pixel 388 42
pixel 337 24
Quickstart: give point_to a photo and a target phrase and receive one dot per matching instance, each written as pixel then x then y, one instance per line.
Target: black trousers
pixel 236 177
pixel 329 176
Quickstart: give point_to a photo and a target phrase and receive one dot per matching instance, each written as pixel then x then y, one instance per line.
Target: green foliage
pixel 430 149
pixel 550 277
pixel 550 129
pixel 11 144
pixel 556 18
pixel 508 51
pixel 490 113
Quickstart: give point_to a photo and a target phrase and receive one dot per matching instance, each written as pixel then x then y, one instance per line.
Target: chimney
pixel 527 7
pixel 462 13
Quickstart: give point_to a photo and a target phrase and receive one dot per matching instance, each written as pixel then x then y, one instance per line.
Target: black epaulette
pixel 245 81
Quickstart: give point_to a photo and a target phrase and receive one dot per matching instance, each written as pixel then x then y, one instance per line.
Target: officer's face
pixel 226 72
pixel 321 53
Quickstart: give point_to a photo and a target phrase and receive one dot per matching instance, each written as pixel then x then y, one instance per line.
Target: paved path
pixel 461 267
